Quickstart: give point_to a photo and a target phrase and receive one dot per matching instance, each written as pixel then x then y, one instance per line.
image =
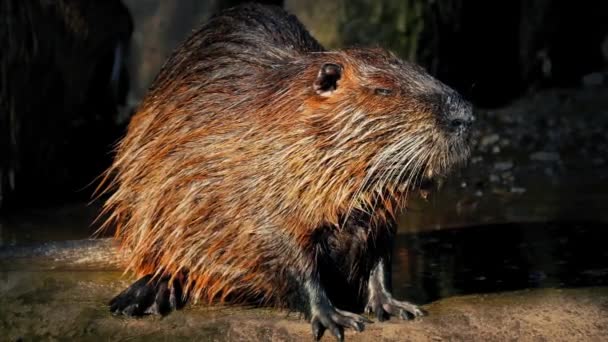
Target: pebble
pixel 489 140
pixel 476 159
pixel 517 190
pixel 503 166
pixel 594 79
pixel 545 156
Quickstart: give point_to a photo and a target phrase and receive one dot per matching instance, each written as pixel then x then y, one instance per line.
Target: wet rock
pixel 503 166
pixel 499 191
pixel 517 190
pixel 476 159
pixel 545 156
pixel 466 205
pixel 595 79
pixel 69 306
pixel 489 140
pixel 507 177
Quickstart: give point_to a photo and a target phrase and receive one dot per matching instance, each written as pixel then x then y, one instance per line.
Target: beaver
pixel 262 169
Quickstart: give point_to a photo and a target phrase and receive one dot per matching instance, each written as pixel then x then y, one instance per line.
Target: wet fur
pixel 235 171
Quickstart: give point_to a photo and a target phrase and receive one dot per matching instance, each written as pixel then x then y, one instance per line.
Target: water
pixel 54 223
pixel 500 257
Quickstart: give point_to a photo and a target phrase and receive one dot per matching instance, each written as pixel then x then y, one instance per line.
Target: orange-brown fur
pixel 233 162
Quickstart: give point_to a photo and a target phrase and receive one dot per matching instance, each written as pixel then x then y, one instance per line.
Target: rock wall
pixel 61 77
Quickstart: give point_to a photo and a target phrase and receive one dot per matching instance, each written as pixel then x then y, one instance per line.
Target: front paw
pixel 148 296
pixel 383 305
pixel 326 316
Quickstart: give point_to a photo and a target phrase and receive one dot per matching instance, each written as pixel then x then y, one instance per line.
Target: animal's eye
pixel 383 91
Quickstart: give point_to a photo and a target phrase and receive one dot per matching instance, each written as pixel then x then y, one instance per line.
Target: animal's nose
pixel 457 124
pixel 460 124
pixel 459 116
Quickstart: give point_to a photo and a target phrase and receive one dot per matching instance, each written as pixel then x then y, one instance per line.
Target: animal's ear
pixel 327 79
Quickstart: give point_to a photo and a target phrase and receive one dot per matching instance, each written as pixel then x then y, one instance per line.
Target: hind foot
pixel 383 305
pixel 381 302
pixel 325 316
pixel 149 296
pixel 328 317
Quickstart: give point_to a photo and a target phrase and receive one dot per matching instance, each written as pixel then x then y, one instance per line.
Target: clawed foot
pixel 383 305
pixel 380 301
pixel 148 296
pixel 328 317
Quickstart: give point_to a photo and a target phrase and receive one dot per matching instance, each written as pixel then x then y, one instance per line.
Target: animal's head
pixel 386 121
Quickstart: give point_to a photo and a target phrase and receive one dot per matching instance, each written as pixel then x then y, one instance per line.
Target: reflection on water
pixel 56 223
pixel 491 258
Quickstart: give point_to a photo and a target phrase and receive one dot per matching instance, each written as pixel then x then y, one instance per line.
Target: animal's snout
pixel 458 115
pixel 458 124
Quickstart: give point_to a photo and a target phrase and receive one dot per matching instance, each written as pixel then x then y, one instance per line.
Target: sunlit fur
pixel 232 162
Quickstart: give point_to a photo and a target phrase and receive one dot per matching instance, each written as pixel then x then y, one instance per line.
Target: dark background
pixel 61 110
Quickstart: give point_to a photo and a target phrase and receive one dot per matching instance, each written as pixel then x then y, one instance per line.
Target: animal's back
pixel 237 42
pixel 202 151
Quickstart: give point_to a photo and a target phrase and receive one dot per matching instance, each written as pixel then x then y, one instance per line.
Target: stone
pixel 545 156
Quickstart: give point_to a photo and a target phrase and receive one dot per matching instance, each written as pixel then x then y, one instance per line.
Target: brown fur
pixel 234 163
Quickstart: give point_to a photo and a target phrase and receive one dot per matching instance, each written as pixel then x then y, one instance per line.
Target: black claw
pixel 163 296
pixel 385 306
pixel 338 332
pixel 148 296
pixel 131 310
pixel 174 298
pixel 317 330
pixel 366 320
pixel 380 299
pixel 131 300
